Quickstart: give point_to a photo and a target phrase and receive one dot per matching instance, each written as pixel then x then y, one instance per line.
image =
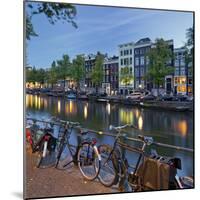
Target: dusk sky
pixel 103 29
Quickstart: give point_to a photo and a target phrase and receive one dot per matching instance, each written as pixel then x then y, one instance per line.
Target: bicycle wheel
pixel 108 175
pixel 88 161
pixel 65 156
pixel 44 157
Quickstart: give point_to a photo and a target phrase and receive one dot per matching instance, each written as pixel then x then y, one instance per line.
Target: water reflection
pixel 59 106
pixel 174 128
pixel 140 123
pixel 108 108
pixel 182 127
pixel 126 116
pixel 85 111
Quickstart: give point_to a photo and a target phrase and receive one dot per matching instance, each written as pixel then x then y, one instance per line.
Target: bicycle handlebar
pixel 118 128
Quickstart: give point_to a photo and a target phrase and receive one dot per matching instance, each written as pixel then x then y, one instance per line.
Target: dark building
pixel 141 62
pixel 111 75
pixel 89 65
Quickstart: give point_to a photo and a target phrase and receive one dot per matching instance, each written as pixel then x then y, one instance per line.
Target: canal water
pixel 170 127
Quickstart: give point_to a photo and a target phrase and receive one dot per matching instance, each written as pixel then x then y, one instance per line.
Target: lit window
pixel 137 61
pixel 142 60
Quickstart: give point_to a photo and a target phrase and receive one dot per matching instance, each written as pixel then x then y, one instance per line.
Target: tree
pixel 52 74
pixel 189 54
pixel 126 77
pixel 97 72
pixel 54 12
pixel 31 75
pixel 158 59
pixel 41 76
pixel 64 68
pixel 78 70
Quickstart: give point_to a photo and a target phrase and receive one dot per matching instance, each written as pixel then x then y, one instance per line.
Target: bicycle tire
pixel 108 174
pixel 88 161
pixel 44 161
pixel 64 158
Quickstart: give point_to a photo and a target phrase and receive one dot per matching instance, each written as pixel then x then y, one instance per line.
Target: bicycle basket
pixel 157 173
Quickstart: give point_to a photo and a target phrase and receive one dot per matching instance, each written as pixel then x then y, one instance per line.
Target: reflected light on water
pixel 45 103
pixel 126 116
pixel 59 106
pixel 70 106
pixel 36 101
pixel 85 111
pixel 31 101
pixel 39 102
pixel 108 108
pixel 27 101
pixel 137 113
pixel 182 127
pixel 140 123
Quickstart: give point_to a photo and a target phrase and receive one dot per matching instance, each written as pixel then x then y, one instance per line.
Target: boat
pixel 71 96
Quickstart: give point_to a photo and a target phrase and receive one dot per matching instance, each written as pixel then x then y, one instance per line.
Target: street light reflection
pixel 182 127
pixel 59 106
pixel 140 123
pixel 85 111
pixel 108 108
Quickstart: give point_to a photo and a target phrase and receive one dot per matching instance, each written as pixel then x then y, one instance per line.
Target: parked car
pixel 165 97
pixel 190 98
pixel 135 96
pixel 180 97
pixel 148 97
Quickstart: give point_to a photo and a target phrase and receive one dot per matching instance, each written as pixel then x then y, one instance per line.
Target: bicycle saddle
pixel 146 139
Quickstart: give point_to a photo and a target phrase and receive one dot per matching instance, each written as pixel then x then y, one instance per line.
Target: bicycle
pixel 85 155
pixel 42 142
pixel 115 167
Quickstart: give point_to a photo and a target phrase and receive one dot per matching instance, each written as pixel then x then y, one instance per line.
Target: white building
pixel 126 59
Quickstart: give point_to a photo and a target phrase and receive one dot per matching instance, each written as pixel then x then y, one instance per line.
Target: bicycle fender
pixel 97 152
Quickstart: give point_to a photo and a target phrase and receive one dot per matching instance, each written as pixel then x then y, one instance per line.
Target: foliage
pixel 126 77
pixel 52 74
pixel 63 68
pixel 78 70
pixel 97 72
pixel 54 12
pixel 29 29
pixel 158 59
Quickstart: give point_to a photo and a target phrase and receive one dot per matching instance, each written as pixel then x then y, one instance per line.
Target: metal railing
pixel 113 135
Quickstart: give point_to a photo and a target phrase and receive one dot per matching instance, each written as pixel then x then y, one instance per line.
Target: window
pixel 121 61
pixel 190 81
pixel 136 51
pixel 141 51
pixel 131 60
pixel 142 71
pixel 177 71
pixel 181 88
pixel 147 60
pixel 121 53
pixel 130 51
pixel 136 72
pixel 176 62
pixel 131 70
pixel 125 61
pixel 182 62
pixel 182 71
pixel 142 60
pixel 137 61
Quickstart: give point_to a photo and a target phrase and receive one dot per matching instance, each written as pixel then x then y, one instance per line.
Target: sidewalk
pixel 52 182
